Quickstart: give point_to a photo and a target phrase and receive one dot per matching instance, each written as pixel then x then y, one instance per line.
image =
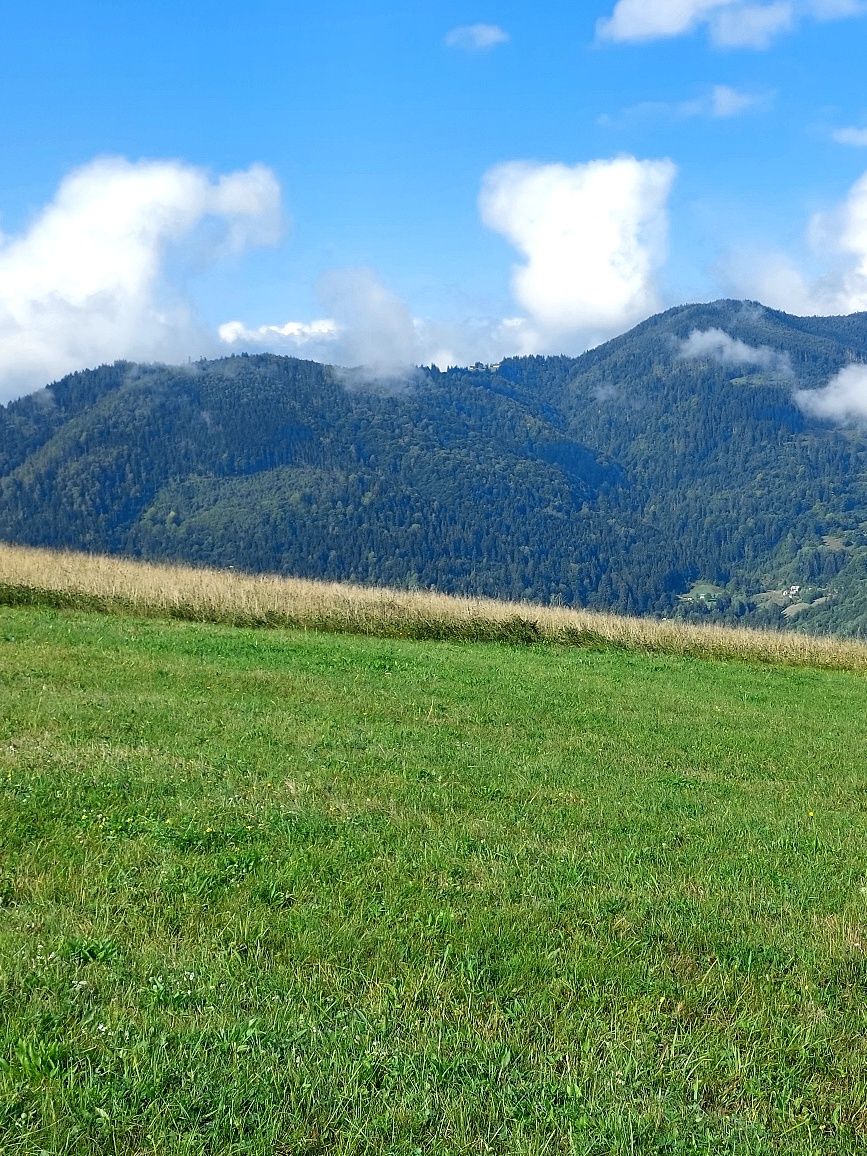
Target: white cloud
pixel 771 277
pixel 593 237
pixel 717 345
pixel 369 326
pixel 843 399
pixel 372 328
pixel 854 137
pixel 726 102
pixel 376 326
pixel 837 240
pixel 476 37
pixel 729 23
pixel 843 232
pixel 296 334
pixel 474 340
pixel 660 20
pixel 752 25
pixel 720 102
pixel 85 282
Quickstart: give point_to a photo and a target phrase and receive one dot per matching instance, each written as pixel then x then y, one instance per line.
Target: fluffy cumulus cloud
pixel 717 345
pixel 592 237
pixel 729 23
pixel 85 283
pixel 837 243
pixel 476 37
pixel 842 400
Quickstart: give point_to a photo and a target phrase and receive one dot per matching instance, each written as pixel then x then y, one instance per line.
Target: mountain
pixel 669 471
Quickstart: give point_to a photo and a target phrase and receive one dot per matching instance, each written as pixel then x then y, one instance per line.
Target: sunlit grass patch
pixel 270 891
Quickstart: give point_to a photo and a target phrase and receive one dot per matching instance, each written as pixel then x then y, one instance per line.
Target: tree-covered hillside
pixel 658 473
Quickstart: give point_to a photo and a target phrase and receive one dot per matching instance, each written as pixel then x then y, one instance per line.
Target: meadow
pixel 71 580
pixel 279 891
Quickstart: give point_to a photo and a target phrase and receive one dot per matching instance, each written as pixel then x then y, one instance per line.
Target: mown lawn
pixel 274 892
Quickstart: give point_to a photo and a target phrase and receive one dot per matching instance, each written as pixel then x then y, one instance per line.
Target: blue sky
pixel 443 182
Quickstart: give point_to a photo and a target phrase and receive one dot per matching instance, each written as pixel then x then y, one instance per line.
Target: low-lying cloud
pixel 592 237
pixel 368 326
pixel 373 330
pixel 376 326
pixel 717 345
pixel 842 400
pixel 85 283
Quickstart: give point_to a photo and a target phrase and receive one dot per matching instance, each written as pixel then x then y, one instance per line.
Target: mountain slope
pixel 617 479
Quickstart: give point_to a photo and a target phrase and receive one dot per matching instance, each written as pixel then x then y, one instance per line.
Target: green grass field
pixel 283 892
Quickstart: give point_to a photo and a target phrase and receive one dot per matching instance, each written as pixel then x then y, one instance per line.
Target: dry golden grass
pixel 87 581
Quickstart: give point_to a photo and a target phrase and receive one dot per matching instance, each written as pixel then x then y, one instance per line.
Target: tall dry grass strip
pixel 115 585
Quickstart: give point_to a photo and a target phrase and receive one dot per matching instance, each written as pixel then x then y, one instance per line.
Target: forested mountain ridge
pixel 669 471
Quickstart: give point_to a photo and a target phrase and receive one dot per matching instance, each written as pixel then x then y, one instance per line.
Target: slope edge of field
pixel 75 580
